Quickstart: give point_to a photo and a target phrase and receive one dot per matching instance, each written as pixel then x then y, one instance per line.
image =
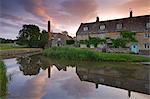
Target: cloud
pixel 37 8
pixel 80 9
pixel 139 7
pixel 66 14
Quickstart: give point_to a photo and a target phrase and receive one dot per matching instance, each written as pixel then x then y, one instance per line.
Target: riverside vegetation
pixel 90 55
pixel 3 80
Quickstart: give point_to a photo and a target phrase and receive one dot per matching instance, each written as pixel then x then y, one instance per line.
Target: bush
pixel 70 42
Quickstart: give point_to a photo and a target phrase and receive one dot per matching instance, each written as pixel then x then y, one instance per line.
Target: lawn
pixel 89 55
pixel 10 46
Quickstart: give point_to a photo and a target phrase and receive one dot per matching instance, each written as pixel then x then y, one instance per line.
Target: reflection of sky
pixel 61 85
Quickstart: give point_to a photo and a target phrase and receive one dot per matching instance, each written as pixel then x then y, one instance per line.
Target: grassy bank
pixel 3 79
pixel 89 55
pixel 10 46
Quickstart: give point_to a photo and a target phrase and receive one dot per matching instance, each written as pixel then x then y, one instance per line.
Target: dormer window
pixel 102 27
pixel 147 25
pixel 85 28
pixel 119 26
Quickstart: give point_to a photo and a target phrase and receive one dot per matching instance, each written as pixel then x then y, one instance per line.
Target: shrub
pixel 70 42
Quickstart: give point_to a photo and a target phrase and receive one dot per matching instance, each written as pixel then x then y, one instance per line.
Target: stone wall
pixel 142 40
pixel 118 50
pixel 20 52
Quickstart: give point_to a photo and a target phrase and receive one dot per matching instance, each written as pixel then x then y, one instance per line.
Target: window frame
pixel 146 35
pixel 148 25
pixel 102 27
pixel 85 28
pixel 147 45
pixel 119 26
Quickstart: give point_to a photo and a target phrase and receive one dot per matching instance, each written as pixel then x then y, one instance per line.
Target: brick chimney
pixel 131 14
pixel 49 26
pixel 97 19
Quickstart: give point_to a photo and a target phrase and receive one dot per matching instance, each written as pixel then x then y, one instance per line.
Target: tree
pixel 30 36
pixel 43 39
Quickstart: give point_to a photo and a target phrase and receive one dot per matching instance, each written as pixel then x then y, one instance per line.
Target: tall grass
pixel 3 79
pixel 89 55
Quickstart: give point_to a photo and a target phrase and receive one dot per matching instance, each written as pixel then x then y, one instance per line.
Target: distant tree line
pixel 3 40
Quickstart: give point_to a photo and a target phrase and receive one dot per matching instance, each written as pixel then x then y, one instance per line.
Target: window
pixel 147 35
pixel 102 27
pixel 147 45
pixel 85 28
pixel 119 26
pixel 147 25
pixel 59 39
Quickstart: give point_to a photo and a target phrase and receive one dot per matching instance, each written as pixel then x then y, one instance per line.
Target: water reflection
pixel 131 79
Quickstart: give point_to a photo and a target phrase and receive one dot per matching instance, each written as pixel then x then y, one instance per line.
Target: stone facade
pixel 59 39
pixel 140 25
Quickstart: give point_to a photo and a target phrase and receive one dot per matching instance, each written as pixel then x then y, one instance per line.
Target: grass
pixel 10 46
pixel 78 54
pixel 3 79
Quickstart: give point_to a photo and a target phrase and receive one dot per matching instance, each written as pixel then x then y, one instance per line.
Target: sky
pixel 65 15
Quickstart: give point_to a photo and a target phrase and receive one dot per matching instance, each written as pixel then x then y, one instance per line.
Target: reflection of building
pixel 111 29
pixel 49 72
pixel 112 78
pixel 60 67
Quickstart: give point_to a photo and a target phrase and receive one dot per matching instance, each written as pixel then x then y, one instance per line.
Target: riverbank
pixel 3 79
pixel 19 52
pixel 79 54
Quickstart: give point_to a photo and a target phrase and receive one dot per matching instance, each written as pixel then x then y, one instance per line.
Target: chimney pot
pixel 97 19
pixel 131 14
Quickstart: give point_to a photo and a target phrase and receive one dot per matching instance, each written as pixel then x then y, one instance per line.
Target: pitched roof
pixel 134 24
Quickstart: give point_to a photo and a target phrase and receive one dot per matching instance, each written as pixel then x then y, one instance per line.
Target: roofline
pixel 116 19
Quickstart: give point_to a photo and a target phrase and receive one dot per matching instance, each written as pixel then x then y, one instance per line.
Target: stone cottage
pixel 140 25
pixel 57 39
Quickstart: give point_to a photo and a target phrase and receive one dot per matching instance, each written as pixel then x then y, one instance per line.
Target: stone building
pixel 57 39
pixel 140 25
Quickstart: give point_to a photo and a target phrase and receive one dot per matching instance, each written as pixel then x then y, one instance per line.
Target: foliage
pixel 3 79
pixel 30 35
pixel 119 42
pixel 126 37
pixel 86 54
pixel 69 53
pixel 93 40
pixel 70 42
pixel 3 40
pixel 43 39
pixel 129 36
